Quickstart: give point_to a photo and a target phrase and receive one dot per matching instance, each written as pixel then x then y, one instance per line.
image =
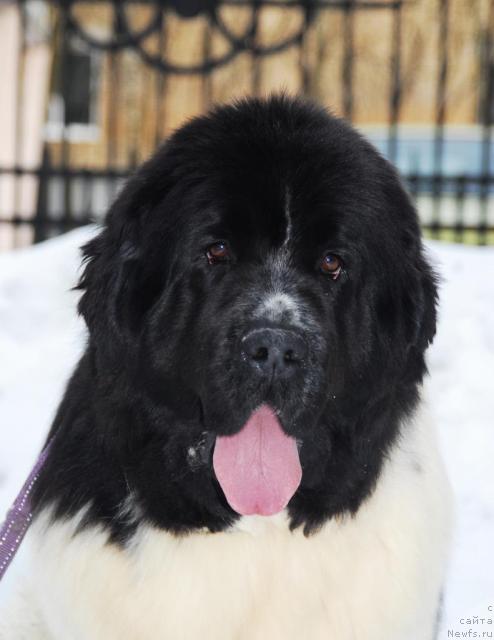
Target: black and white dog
pixel 242 452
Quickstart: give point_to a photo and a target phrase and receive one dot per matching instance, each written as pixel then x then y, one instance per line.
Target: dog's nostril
pixel 261 354
pixel 290 356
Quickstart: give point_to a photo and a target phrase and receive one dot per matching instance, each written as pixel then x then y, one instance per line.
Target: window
pixel 73 105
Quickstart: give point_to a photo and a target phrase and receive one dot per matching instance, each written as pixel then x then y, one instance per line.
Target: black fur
pixel 162 370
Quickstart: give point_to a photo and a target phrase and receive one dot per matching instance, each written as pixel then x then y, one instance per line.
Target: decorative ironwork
pixel 124 37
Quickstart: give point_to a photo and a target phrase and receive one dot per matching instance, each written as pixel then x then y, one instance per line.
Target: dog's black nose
pixel 273 351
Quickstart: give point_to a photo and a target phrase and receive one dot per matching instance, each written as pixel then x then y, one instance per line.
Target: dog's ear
pixel 420 297
pixel 118 287
pixel 426 307
pixel 407 305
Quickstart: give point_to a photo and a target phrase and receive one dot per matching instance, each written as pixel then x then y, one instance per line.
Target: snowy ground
pixel 41 337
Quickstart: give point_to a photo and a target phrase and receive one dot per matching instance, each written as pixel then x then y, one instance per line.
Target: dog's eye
pixel 218 252
pixel 331 265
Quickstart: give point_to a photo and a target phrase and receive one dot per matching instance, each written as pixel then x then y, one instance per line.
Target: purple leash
pixel 19 517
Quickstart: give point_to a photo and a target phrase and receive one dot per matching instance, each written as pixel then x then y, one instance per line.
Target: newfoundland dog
pixel 242 452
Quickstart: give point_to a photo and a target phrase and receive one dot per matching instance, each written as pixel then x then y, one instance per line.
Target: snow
pixel 41 338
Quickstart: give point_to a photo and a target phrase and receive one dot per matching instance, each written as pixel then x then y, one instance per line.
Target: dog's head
pixel 266 260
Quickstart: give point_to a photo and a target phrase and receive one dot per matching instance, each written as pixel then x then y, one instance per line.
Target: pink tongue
pixel 259 468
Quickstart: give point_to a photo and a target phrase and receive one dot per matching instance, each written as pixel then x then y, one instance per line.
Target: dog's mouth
pixel 258 468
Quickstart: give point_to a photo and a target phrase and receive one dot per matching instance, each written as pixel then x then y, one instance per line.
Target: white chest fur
pixel 373 577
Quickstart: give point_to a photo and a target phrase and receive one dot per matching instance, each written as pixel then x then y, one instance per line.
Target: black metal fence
pixel 75 138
